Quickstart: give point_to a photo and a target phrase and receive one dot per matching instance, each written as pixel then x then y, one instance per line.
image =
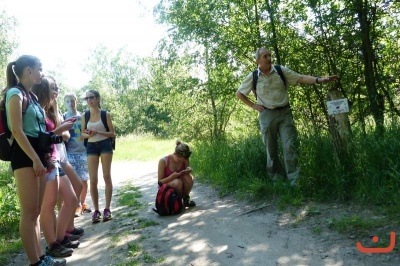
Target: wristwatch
pixel 316 80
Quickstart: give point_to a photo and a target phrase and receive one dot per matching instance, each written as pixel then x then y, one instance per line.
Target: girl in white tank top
pixel 98 147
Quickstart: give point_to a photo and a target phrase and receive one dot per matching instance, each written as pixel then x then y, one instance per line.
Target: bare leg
pixel 106 160
pixel 28 189
pixel 187 184
pixel 93 166
pixel 47 214
pixel 84 192
pixel 76 183
pixel 70 201
pixel 177 184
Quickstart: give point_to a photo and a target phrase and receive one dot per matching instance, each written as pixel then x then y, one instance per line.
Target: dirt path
pixel 219 231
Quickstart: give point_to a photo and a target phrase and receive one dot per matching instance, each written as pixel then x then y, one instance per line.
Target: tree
pixel 7 42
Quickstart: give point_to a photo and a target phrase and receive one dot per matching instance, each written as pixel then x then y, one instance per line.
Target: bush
pixel 9 206
pixel 367 173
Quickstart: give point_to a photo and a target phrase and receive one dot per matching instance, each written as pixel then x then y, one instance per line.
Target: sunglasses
pixel 89 98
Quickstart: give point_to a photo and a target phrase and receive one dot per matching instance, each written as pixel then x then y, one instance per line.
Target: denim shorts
pixel 99 147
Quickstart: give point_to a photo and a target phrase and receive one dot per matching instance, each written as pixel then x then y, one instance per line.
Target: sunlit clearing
pixel 222 248
pixel 198 246
pixel 258 248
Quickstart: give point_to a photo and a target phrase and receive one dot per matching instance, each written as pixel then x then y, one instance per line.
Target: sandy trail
pixel 218 231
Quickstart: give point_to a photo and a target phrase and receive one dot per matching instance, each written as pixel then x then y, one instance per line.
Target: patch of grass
pixel 150 259
pixel 128 196
pixel 134 249
pixel 353 224
pixel 130 214
pixel 114 241
pixel 9 247
pixel 317 230
pixel 130 263
pixel 143 223
pixel 312 211
pixel 145 147
pixel 289 200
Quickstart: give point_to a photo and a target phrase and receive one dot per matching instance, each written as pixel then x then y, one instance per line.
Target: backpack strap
pixel 103 114
pixel 25 104
pixel 280 73
pixel 255 78
pixel 25 98
pixel 87 117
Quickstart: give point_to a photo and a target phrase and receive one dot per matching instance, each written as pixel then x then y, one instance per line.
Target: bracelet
pixel 316 80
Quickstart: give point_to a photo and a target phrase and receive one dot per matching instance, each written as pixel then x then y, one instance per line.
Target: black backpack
pixel 103 115
pixel 6 139
pixel 255 78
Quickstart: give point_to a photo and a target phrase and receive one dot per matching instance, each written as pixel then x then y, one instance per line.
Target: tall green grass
pixel 9 214
pixel 369 172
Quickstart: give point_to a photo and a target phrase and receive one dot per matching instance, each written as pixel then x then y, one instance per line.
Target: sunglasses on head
pixel 89 98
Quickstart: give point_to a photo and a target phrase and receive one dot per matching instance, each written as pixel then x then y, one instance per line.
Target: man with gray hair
pixel 275 116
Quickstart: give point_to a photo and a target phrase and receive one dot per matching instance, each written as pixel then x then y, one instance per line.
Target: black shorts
pixel 19 159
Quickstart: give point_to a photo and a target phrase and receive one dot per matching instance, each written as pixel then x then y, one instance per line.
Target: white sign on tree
pixel 338 106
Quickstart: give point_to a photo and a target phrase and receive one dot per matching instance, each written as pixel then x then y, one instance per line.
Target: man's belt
pixel 279 107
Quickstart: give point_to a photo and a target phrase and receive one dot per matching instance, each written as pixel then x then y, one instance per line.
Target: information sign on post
pixel 338 106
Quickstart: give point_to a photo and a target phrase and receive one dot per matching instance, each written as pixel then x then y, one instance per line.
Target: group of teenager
pixel 50 163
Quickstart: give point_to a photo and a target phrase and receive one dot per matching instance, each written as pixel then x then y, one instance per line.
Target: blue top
pixel 33 116
pixel 75 145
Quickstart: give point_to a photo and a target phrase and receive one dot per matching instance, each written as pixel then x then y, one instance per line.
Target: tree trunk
pixel 339 127
pixel 376 100
pixel 274 40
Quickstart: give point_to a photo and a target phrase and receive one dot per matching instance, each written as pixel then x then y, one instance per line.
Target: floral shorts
pixel 79 163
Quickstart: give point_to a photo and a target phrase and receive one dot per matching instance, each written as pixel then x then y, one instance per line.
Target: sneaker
pixel 85 208
pixel 187 202
pixel 58 251
pixel 77 231
pixel 68 243
pixel 107 215
pixel 96 217
pixel 72 237
pixel 78 212
pixel 54 262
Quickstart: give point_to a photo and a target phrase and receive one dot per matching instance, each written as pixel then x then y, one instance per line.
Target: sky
pixel 63 33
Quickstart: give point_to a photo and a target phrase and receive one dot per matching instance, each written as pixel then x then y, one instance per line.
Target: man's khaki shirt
pixel 271 91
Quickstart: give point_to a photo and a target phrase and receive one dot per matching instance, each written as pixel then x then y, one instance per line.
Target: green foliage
pixel 9 214
pixel 371 173
pixel 7 42
pixel 9 206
